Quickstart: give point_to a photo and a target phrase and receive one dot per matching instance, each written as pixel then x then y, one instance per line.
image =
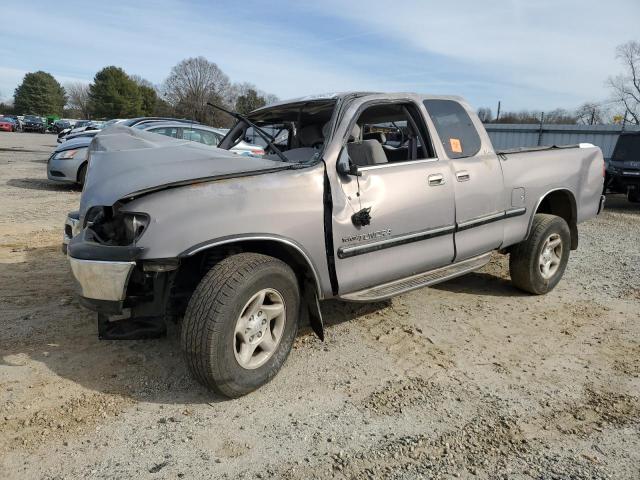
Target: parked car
pixel 242 248
pixel 60 125
pixel 84 127
pixel 16 120
pixel 199 133
pixel 92 129
pixel 32 123
pixel 623 170
pixel 8 124
pixel 68 162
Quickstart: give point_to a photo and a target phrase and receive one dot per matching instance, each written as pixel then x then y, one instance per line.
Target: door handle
pixel 436 179
pixel 463 176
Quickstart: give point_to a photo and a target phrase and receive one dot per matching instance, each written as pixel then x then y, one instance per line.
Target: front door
pixel 408 195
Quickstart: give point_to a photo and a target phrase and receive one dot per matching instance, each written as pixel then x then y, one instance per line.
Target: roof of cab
pixel 337 95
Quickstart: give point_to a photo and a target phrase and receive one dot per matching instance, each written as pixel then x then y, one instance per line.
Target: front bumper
pixel 64 171
pixel 102 280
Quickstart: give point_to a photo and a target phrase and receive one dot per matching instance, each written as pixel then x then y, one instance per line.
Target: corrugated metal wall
pixel 504 136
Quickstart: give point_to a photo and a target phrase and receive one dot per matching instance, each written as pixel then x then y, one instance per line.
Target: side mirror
pixel 345 165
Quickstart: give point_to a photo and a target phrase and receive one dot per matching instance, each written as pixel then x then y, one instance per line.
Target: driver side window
pixel 387 134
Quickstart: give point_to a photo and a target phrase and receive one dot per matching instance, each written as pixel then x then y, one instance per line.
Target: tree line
pixel 195 81
pixel 116 94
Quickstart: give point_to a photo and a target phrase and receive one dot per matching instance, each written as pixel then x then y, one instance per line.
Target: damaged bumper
pixel 102 280
pixel 102 272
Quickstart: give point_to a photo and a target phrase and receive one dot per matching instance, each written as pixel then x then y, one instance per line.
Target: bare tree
pixel 485 114
pixel 191 84
pixel 626 86
pixel 560 116
pixel 591 113
pixel 78 98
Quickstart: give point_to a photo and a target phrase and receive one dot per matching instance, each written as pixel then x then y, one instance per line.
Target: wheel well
pixel 562 203
pixel 82 165
pixel 193 268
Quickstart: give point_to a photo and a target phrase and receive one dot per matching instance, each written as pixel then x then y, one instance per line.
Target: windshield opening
pixel 299 129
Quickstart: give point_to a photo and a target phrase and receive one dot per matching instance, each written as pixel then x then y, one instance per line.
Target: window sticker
pixel 456 146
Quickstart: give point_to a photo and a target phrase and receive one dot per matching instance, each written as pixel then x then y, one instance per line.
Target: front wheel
pixel 538 263
pixel 240 323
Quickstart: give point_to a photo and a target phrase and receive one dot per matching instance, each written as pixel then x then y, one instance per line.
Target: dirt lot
pixel 469 379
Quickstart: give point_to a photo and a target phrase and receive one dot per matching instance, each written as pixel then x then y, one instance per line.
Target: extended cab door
pixel 477 179
pixel 406 191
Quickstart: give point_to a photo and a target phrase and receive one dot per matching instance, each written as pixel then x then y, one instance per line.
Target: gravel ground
pixel 468 379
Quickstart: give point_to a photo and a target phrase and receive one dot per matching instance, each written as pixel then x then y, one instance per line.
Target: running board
pixel 391 289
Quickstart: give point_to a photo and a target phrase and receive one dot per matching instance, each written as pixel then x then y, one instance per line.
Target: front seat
pixel 364 152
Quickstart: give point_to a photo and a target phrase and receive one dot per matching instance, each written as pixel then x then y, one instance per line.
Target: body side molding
pixel 403 239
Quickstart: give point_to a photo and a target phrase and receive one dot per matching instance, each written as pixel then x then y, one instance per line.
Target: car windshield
pixel 298 129
pixel 32 118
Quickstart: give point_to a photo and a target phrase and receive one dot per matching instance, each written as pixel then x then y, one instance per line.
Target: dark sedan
pixel 34 124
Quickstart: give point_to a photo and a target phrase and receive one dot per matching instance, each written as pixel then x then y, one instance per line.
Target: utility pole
pixel 593 116
pixel 498 114
pixel 540 130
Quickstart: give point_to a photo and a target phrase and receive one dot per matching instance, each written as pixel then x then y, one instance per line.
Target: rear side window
pixel 455 128
pixel 166 131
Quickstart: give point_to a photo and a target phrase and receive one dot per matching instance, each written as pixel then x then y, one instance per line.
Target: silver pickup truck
pixel 359 196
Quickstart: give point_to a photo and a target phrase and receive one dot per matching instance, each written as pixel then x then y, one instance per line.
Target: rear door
pixel 477 179
pixel 411 205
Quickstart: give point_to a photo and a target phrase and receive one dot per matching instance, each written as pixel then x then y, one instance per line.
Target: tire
pixel 633 196
pixel 526 258
pixel 82 174
pixel 211 343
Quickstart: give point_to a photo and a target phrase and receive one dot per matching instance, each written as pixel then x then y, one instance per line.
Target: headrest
pixel 379 136
pixel 309 135
pixel 354 136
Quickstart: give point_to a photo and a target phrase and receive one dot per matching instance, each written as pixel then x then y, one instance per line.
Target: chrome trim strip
pixel 290 243
pixel 360 249
pixel 515 212
pixel 494 217
pixel 352 251
pixel 397 164
pixel 478 221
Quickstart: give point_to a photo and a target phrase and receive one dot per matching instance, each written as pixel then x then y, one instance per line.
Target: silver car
pixel 201 134
pixel 68 163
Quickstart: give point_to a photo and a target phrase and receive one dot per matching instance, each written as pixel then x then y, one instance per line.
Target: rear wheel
pixel 240 323
pixel 538 263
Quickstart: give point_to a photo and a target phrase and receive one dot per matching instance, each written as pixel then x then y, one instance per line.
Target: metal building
pixel 504 136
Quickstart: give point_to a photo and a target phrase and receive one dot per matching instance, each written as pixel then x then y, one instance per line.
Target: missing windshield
pixel 298 130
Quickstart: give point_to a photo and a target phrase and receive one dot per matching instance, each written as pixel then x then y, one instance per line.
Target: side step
pixel 391 289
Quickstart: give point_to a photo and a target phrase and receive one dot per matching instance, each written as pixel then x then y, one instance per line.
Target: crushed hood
pixel 126 162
